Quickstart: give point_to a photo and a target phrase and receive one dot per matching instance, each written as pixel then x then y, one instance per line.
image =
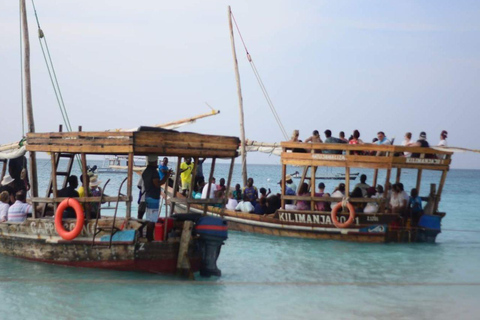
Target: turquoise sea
pixel 266 277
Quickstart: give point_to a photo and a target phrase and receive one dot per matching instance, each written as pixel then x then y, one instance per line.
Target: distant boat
pixel 119 164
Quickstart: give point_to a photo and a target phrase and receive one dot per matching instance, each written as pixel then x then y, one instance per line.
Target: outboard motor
pixel 428 228
pixel 213 231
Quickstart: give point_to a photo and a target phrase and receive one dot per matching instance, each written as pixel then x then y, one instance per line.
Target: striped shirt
pixel 18 211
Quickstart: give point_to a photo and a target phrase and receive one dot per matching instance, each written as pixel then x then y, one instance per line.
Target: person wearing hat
pixel 421 142
pixel 152 183
pixel 443 139
pixel 7 185
pixel 96 192
pixel 290 183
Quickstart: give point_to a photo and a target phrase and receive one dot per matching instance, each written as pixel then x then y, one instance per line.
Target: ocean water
pixel 266 277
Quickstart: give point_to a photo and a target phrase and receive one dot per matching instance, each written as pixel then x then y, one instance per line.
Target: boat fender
pixel 350 219
pixel 69 235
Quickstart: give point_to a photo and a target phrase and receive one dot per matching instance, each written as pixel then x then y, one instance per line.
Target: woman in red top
pixel 355 139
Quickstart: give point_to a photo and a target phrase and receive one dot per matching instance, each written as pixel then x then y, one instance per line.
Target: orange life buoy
pixel 69 235
pixel 350 218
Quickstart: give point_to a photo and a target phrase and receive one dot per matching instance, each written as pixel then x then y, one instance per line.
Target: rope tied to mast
pixel 260 82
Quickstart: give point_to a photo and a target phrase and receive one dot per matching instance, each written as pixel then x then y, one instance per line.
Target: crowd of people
pixel 381 139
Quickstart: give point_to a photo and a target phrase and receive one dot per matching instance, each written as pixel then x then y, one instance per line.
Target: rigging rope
pixel 260 82
pixel 53 79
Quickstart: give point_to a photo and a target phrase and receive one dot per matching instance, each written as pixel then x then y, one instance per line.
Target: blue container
pixel 212 226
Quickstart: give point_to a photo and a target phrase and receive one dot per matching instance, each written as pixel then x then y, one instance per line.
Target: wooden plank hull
pixel 373 233
pixel 155 257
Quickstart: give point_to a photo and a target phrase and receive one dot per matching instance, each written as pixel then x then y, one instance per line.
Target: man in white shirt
pixel 20 209
pixel 213 188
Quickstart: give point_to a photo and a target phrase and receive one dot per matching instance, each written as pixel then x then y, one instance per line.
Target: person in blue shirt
pixel 415 206
pixel 163 168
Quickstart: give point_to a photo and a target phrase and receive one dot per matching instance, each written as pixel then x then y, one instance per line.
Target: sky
pixel 392 66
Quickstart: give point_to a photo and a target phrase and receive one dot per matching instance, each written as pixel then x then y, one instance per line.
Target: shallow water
pixel 266 277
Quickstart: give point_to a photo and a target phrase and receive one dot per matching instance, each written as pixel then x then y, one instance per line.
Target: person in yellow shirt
pixel 186 169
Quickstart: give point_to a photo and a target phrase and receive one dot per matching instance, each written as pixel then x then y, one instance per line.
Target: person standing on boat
pixel 163 168
pixel 199 171
pixel 213 188
pixel 186 169
pixel 17 168
pixel 142 205
pixel 152 182
pixel 19 211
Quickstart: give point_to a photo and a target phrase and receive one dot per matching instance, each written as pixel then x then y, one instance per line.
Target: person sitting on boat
pixel 379 190
pixel 237 193
pixel 232 202
pixel 382 139
pixel 221 186
pixel 245 206
pixel 198 188
pixel 81 190
pixel 69 192
pixel 355 139
pixel 321 205
pixel 163 168
pixel 415 206
pixel 302 204
pixel 19 211
pixel 397 200
pixel 152 182
pixel 402 191
pixel 406 142
pixel 315 138
pixel 7 185
pixel 295 136
pixel 443 139
pixel 264 193
pixel 339 192
pixel 371 207
pixel 186 169
pixel 362 184
pixel 421 142
pixel 357 193
pixel 250 192
pixel 341 136
pixel 17 169
pixel 260 206
pixel 330 139
pixel 273 204
pixel 290 183
pixel 96 192
pixel 213 188
pixel 4 205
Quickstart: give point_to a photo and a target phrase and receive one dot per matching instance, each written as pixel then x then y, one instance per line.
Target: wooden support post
pixel 183 262
pixel 283 184
pixel 209 186
pixel 129 185
pixel 440 189
pixel 375 178
pixel 383 205
pixel 175 185
pixel 419 180
pixel 347 181
pixel 86 186
pixel 399 173
pixel 313 172
pixel 53 160
pixel 229 181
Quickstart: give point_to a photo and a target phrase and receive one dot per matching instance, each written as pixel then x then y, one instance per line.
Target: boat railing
pixel 363 156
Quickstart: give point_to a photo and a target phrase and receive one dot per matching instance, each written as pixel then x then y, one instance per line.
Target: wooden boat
pixel 111 242
pixel 383 226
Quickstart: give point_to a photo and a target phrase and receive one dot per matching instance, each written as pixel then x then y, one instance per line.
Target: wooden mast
pixel 240 101
pixel 28 99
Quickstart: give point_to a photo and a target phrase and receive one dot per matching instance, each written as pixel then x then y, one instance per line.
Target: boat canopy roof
pixel 363 156
pixel 143 141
